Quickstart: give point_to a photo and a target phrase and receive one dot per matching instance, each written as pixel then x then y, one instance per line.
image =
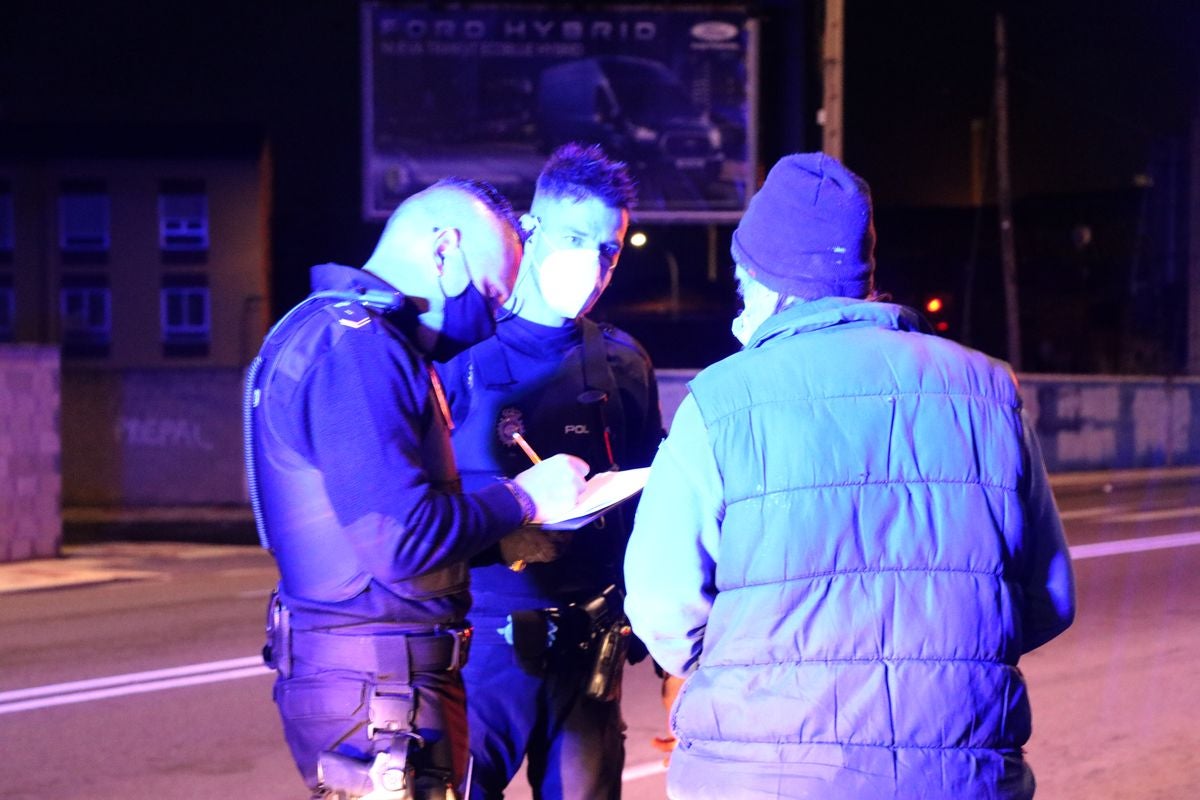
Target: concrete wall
pixel 164 437
pixel 30 480
pixel 1084 422
pixel 1107 422
pixel 155 437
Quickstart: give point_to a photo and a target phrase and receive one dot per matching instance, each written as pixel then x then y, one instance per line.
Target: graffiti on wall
pixel 1161 420
pixel 1089 417
pixel 162 432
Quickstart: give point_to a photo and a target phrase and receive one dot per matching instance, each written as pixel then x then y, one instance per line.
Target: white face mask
pixel 741 328
pixel 758 303
pixel 567 279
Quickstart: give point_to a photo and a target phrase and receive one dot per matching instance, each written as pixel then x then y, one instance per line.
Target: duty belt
pixel 394 654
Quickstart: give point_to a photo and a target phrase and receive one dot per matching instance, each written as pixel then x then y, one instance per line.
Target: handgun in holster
pixel 277 652
pixel 608 640
pixel 387 777
pixel 391 773
pixel 596 629
pixel 388 774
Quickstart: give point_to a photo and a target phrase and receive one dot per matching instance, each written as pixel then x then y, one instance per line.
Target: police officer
pixel 566 385
pixel 353 483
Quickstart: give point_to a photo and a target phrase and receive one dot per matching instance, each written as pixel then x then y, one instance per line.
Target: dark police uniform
pixel 547 383
pixel 354 481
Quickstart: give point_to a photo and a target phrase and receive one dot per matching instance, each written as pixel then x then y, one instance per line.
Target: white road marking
pixel 640 771
pixel 57 694
pixel 1123 546
pixel 1094 511
pixel 1162 513
pixel 233 669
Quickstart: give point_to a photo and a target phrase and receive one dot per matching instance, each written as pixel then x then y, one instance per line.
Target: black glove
pixel 533 546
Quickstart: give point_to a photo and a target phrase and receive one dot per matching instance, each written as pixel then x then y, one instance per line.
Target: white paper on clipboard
pixel 602 492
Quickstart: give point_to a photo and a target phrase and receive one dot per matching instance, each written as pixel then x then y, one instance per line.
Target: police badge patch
pixel 510 422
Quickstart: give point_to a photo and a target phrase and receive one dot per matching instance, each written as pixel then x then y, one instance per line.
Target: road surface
pixel 129 670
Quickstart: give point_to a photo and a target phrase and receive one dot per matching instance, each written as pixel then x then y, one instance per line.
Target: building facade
pixel 148 264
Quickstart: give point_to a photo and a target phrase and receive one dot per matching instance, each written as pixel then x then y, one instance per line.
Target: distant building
pixel 135 248
pixel 144 254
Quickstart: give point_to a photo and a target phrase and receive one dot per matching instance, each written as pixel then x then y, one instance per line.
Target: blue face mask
pixel 468 318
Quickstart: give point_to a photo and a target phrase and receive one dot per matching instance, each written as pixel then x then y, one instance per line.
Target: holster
pixel 277 652
pixel 385 778
pixel 609 651
pixel 595 630
pixel 608 643
pixel 389 774
pixel 393 772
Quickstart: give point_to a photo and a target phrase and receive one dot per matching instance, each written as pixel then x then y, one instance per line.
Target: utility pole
pixel 1008 256
pixel 831 73
pixel 979 164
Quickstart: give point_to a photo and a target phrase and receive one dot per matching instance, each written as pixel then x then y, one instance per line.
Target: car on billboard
pixel 635 108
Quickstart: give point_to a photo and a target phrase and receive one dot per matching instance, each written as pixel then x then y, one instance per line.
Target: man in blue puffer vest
pixel 861 537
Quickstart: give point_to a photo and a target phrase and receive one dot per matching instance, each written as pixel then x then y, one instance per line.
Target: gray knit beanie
pixel 808 230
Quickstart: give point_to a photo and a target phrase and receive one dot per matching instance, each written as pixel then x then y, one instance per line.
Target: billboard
pixel 488 90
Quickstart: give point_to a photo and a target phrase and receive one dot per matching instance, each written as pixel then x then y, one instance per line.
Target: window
pixel 83 221
pixel 6 222
pixel 86 308
pixel 7 309
pixel 182 217
pixel 185 315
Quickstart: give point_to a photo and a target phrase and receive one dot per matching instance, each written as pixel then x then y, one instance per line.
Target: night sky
pixel 1091 87
pixel 1092 82
pixel 1097 88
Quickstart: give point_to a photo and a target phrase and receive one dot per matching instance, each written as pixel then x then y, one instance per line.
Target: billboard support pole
pixel 831 73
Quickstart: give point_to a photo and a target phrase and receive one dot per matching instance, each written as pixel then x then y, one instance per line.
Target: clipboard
pixel 602 492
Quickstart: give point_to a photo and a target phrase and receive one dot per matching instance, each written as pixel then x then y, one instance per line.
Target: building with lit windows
pixel 144 256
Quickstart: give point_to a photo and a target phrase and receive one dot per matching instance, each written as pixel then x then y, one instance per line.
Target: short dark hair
pixel 579 171
pixel 491 197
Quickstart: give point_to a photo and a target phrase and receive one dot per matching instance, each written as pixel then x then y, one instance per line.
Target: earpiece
pixel 528 224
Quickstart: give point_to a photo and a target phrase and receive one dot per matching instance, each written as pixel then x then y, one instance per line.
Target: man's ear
pixel 447 241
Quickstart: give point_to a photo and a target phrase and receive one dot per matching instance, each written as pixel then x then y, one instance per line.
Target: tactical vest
pixel 582 415
pixel 296 521
pixel 573 405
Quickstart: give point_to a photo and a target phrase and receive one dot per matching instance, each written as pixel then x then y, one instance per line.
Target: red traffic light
pixel 938 307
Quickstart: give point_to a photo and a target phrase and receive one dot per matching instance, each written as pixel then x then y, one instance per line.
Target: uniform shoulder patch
pixel 350 315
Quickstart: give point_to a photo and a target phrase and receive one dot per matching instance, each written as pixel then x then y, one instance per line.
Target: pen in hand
pixel 524 445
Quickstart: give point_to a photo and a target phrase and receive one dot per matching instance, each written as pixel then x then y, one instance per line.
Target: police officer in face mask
pixel 566 385
pixel 354 487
